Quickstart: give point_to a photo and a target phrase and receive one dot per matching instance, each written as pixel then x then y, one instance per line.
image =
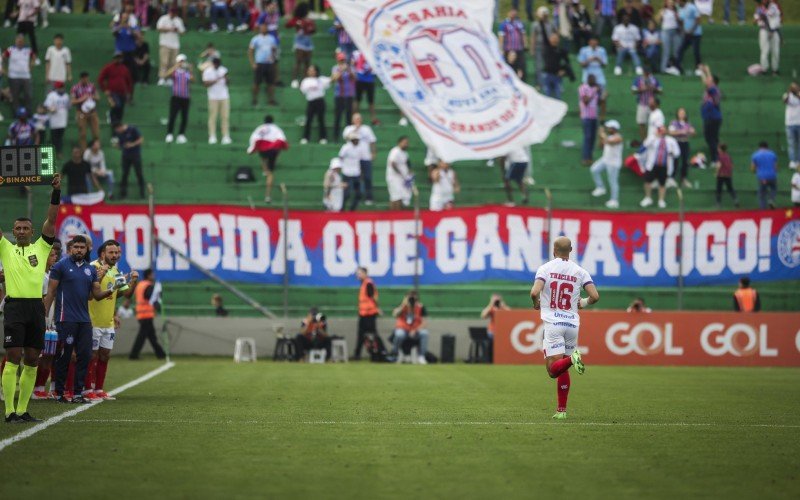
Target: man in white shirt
pixel 398 175
pixel 768 17
pixel 792 121
pixel 610 162
pixel 58 61
pixel 26 22
pixel 215 79
pixel 57 104
pixel 655 119
pixel 333 187
pixel 19 59
pixel 557 293
pixel 626 36
pixel 662 150
pixel 367 142
pixel 170 27
pixel 516 164
pixel 351 155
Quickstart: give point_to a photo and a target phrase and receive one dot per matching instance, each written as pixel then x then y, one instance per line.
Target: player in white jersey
pixel 557 292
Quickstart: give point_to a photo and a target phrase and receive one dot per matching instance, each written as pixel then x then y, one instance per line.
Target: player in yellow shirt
pixel 104 319
pixel 24 318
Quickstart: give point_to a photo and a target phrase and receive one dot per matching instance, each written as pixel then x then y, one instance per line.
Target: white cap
pixel 352 136
pixel 542 11
pixel 181 58
pixel 335 163
pixel 612 124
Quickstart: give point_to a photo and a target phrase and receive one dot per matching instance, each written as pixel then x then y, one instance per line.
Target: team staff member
pixel 368 310
pixel 24 314
pixel 104 320
pixel 746 299
pixel 74 281
pixel 146 297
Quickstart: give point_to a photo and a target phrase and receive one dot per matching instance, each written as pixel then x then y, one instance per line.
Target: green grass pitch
pixel 210 429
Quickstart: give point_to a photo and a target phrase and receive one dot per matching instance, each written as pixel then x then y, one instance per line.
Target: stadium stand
pixel 197 172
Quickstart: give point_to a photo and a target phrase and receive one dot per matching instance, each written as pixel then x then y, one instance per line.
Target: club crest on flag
pixel 442 65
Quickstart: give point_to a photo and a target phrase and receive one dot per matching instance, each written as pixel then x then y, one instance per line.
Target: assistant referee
pixel 24 317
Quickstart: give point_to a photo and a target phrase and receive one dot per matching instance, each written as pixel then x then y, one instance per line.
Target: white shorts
pixel 559 338
pixel 642 114
pixel 103 337
pixel 439 203
pixel 398 191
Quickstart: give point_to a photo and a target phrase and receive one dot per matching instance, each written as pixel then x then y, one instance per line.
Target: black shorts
pixel 264 73
pixel 24 323
pixel 658 173
pixel 270 157
pixel 365 87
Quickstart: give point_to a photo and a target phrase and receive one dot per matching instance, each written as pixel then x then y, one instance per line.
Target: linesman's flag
pixel 441 63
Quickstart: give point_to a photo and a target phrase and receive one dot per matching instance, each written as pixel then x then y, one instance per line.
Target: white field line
pixel 423 423
pixel 71 413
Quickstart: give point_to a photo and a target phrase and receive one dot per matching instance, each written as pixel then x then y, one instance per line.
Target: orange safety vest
pixel 402 318
pixel 491 326
pixel 746 298
pixel 367 306
pixel 144 309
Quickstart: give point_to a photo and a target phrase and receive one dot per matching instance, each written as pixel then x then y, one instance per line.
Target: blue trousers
pixel 78 337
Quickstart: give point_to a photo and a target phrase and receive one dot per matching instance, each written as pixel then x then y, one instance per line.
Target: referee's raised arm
pixel 49 227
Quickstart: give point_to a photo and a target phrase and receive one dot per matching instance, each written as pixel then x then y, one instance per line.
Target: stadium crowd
pixel 559 36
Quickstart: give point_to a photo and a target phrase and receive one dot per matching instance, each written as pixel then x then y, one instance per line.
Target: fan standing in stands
pixel 24 320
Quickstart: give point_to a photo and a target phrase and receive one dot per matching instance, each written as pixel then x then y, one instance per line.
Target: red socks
pixel 41 376
pixel 562 388
pixel 560 366
pixel 89 380
pixel 70 385
pixel 100 374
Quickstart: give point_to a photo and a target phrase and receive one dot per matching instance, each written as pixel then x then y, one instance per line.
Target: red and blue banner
pixel 464 245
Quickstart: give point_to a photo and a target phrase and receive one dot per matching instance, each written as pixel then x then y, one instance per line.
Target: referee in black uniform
pixel 24 324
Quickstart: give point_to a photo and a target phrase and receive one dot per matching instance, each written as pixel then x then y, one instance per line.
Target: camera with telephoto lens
pixel 319 318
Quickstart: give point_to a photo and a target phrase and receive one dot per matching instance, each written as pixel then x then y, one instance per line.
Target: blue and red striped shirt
pixel 641 82
pixel 21 134
pixel 180 83
pixel 513 34
pixel 346 85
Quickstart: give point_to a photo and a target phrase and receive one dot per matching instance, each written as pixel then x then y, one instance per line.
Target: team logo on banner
pixel 442 65
pixel 789 244
pixel 71 226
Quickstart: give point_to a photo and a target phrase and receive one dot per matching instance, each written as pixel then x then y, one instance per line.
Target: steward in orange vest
pixel 368 312
pixel 746 299
pixel 145 314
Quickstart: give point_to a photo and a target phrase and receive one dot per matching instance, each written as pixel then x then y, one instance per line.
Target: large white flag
pixel 441 63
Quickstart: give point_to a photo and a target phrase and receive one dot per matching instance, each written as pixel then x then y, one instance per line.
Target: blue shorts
pixel 303 42
pixel 50 342
pixel 516 172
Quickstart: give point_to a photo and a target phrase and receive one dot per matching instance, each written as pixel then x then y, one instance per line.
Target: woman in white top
pixel 670 36
pixel 610 162
pixel 445 186
pixel 313 87
pixel 96 159
pixel 792 121
pixel 333 186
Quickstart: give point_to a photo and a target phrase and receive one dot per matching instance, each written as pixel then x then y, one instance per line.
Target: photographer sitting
pixel 314 334
pixel 638 306
pixel 410 327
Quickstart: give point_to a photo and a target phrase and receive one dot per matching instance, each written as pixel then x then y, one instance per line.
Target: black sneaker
pixel 27 417
pixel 63 399
pixel 79 400
pixel 12 418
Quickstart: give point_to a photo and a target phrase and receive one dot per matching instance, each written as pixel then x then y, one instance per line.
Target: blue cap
pixel 21 111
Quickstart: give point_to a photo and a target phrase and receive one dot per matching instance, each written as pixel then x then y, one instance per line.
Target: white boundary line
pixel 451 424
pixel 71 413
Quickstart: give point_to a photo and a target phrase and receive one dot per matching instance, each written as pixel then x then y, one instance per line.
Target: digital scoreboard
pixel 26 165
